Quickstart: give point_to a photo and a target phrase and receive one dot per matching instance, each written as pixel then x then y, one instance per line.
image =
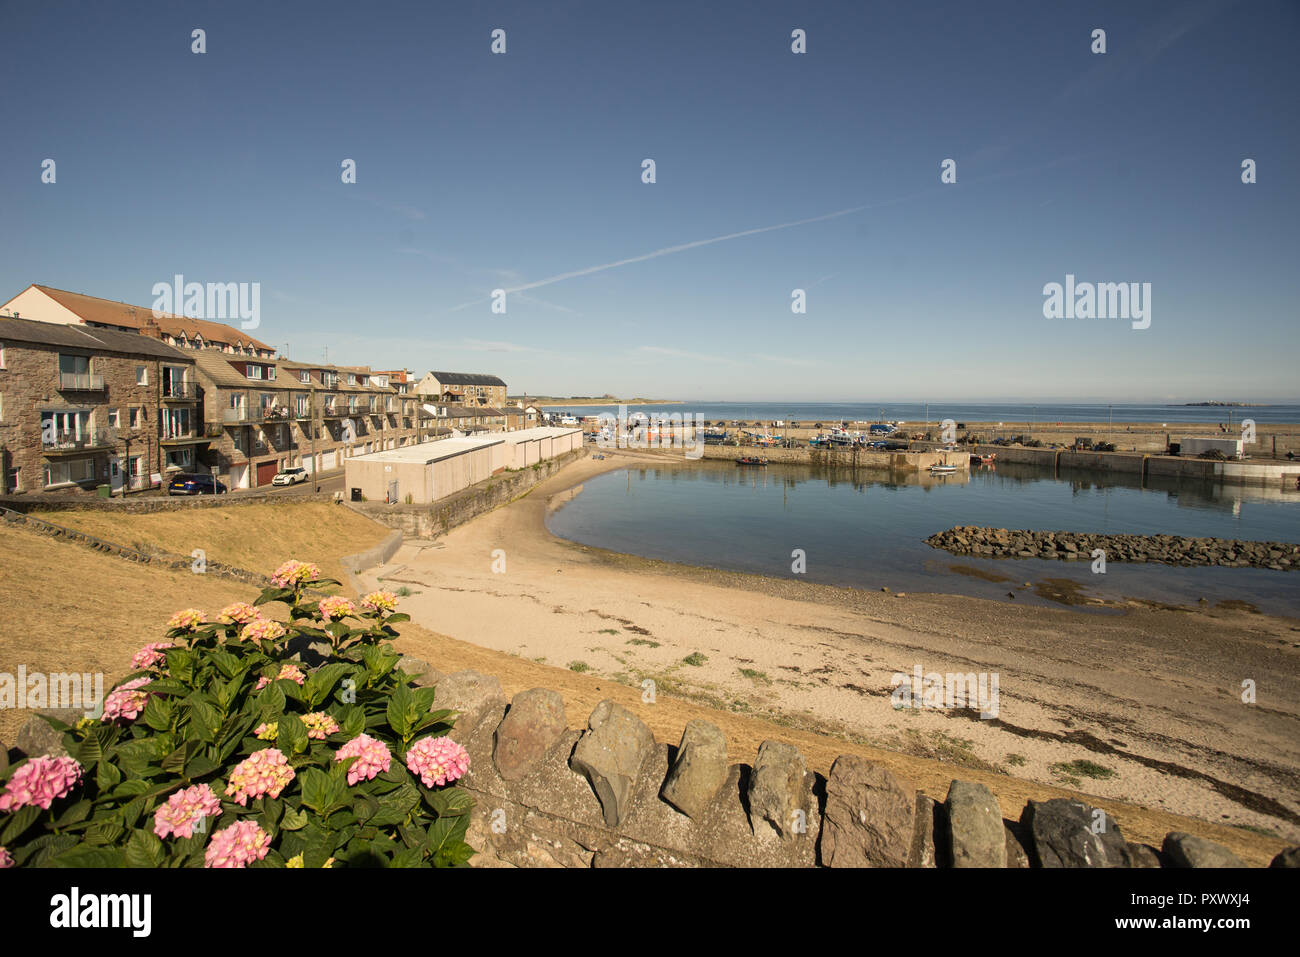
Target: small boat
pixel 982 459
pixel 943 469
pixel 750 460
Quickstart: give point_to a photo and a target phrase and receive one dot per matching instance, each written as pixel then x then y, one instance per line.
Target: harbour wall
pixel 908 461
pixel 1267 474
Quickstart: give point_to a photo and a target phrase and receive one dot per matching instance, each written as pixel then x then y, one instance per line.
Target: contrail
pixel 682 247
pixel 670 250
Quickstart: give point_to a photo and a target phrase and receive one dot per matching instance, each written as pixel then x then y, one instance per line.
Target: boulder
pixel 870 816
pixel 423 676
pixel 610 754
pixel 923 853
pixel 533 724
pixel 1017 856
pixel 1143 855
pixel 699 770
pixel 1064 832
pixel 777 790
pixel 975 835
pixel 37 738
pixel 1187 850
pixel 1288 858
pixel 475 696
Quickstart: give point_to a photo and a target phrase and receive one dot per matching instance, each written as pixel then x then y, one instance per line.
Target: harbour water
pixel 868 530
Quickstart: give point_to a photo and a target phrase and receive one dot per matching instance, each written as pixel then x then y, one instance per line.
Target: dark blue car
pixel 198 484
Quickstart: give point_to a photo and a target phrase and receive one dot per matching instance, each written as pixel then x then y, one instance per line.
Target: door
pixel 265 472
pixel 115 472
pixel 239 476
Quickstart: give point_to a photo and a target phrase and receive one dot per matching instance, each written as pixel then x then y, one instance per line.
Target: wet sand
pixel 1148 701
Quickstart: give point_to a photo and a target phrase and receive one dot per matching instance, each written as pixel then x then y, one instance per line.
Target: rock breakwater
pixel 1071 546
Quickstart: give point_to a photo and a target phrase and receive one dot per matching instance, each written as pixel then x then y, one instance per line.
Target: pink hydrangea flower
pixel 372 757
pixel 262 772
pixel 437 761
pixel 290 671
pixel 336 607
pixel 320 725
pixel 184 810
pixel 125 702
pixel 151 655
pixel 380 601
pixel 294 573
pixel 187 620
pixel 237 846
pixel 262 629
pixel 267 732
pixel 6 859
pixel 41 781
pixel 240 613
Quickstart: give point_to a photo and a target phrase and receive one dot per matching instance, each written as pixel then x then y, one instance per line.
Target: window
pixel 304 376
pixel 114 418
pixel 135 471
pixel 11 481
pixel 252 371
pixel 238 440
pixel 176 423
pixel 141 375
pixel 136 417
pixel 352 380
pixel 182 458
pixel 270 373
pixel 64 473
pixel 2 355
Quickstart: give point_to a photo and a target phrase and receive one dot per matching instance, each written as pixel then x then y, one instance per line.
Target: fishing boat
pixel 976 459
pixel 750 460
pixel 943 469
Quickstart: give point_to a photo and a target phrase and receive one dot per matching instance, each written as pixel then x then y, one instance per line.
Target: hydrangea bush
pixel 224 750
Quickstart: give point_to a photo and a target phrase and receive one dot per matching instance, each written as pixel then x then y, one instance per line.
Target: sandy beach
pixel 1143 705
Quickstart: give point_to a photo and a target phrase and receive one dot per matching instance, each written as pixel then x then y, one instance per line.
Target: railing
pixel 71 442
pixel 180 390
pixel 179 435
pixel 81 382
pixel 241 415
pixel 275 413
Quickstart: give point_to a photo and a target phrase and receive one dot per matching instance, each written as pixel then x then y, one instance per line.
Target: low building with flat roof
pixel 529 446
pixel 424 473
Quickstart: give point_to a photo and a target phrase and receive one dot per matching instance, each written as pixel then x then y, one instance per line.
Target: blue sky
pixel 477 171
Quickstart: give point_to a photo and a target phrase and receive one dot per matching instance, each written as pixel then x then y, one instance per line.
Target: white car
pixel 289 477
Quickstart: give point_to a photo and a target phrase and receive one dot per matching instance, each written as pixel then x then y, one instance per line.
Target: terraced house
pixel 264 416
pixel 84 408
pixel 466 401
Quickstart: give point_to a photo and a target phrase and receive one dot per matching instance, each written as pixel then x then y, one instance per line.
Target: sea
pixel 919 413
pixel 867 530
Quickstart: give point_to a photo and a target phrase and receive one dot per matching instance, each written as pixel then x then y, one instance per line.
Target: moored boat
pixel 750 460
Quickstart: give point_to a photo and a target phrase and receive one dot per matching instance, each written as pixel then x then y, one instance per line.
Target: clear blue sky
pixel 478 171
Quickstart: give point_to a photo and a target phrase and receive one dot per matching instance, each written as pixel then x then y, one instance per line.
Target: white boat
pixel 943 469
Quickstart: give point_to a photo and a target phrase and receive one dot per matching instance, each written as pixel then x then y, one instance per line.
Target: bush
pixel 225 750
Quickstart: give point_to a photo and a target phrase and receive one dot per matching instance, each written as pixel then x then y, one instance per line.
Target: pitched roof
pixel 466 378
pixel 217 367
pixel 89 337
pixel 107 312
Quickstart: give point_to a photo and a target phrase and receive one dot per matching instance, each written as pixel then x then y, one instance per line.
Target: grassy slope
pixel 256 537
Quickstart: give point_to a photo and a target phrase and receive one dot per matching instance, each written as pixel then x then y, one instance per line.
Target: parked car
pixel 184 483
pixel 289 476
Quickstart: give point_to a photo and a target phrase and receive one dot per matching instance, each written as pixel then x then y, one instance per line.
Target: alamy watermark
pixel 1103 300
pixel 951 690
pixel 82 692
pixel 218 301
pixel 652 430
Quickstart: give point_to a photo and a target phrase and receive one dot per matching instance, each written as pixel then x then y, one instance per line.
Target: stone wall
pixel 611 796
pixel 437 518
pixel 900 461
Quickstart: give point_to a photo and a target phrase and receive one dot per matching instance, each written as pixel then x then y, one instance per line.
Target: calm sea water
pixel 870 532
pixel 916 412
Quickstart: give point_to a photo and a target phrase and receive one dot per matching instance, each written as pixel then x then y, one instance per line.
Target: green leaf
pixel 449 802
pixel 144 849
pixel 322 681
pixel 74 814
pixel 158 713
pixel 321 792
pixel 89 857
pixel 107 776
pixel 18 822
pixel 401 706
pixel 180 664
pixel 291 734
pixel 271 701
pixel 353 721
pixel 293 820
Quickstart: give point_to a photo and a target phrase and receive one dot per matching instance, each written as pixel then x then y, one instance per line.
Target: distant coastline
pixel 1229 405
pixel 587 400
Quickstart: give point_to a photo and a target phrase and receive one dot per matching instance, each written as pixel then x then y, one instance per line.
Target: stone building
pixel 82 406
pixel 463 390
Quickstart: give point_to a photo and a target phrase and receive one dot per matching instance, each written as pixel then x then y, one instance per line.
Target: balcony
pixel 65 443
pixel 180 391
pixel 276 413
pixel 80 382
pixel 331 411
pixel 241 416
pixel 182 437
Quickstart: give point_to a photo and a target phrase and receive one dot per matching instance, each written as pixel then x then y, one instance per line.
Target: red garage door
pixel 265 472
